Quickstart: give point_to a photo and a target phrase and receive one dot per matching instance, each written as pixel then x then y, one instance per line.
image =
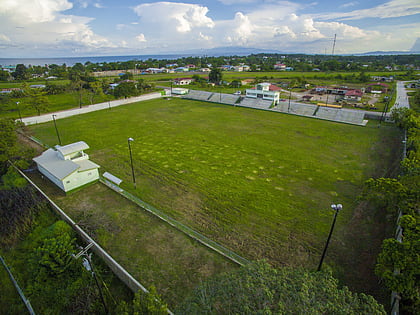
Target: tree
pixel 38 100
pixel 215 75
pixel 260 289
pixel 95 89
pixel 398 263
pixel 236 83
pixel 4 75
pixel 125 89
pixel 21 72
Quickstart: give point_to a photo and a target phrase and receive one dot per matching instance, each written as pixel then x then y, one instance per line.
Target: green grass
pixel 258 182
pixel 250 179
pixel 151 250
pixel 56 103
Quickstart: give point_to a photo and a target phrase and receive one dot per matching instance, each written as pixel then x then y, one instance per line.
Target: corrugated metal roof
pixel 86 165
pixel 55 166
pixel 72 147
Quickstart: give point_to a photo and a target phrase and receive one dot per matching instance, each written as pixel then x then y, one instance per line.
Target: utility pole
pixel 333 48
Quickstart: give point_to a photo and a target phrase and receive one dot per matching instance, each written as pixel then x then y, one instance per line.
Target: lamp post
pixel 56 130
pixel 131 161
pixel 20 116
pixel 337 208
pixel 290 97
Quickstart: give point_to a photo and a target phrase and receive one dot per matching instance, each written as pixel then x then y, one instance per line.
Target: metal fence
pixel 18 289
pixel 395 296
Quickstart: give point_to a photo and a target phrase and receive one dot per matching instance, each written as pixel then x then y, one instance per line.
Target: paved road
pixel 401 100
pixel 87 109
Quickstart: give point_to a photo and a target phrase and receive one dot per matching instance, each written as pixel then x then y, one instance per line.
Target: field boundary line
pixel 178 225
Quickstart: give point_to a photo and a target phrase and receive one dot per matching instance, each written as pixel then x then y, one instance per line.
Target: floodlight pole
pixel 131 161
pixel 56 130
pixel 337 208
pixel 290 97
pixel 20 116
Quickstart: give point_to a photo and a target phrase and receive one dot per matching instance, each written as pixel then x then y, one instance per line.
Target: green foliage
pixel 55 280
pixel 215 75
pixel 406 118
pixel 38 100
pixel 21 72
pixel 144 304
pixel 18 207
pixel 398 263
pixel 385 192
pixel 125 89
pixel 8 140
pixel 261 289
pixel 12 179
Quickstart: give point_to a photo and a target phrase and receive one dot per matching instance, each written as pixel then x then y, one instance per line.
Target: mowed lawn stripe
pixel 260 183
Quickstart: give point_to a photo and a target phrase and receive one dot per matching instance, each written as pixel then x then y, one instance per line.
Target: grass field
pixel 260 183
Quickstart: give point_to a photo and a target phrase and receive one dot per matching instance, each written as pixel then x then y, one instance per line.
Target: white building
pixel 68 166
pixel 266 91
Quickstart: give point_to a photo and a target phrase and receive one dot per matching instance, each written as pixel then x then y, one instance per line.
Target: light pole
pixel 56 130
pixel 337 208
pixel 131 161
pixel 20 116
pixel 290 97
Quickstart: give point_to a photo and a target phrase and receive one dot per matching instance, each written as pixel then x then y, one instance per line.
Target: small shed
pixel 68 166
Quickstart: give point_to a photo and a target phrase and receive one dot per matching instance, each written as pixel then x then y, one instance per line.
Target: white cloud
pixel 40 24
pixel 27 11
pixel 141 38
pixel 390 9
pixel 179 16
pixel 349 4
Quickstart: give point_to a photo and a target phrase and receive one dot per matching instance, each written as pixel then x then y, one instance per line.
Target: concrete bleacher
pixel 229 99
pixel 255 103
pixel 198 95
pixel 328 113
pixel 341 115
pixel 302 109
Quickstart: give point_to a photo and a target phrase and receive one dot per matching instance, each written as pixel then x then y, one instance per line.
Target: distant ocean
pixel 70 61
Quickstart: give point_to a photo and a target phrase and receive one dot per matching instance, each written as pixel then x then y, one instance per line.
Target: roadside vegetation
pixel 399 199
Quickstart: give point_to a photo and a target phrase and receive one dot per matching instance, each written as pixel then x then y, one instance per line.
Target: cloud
pixel 390 9
pixel 179 16
pixel 349 4
pixel 40 25
pixel 141 38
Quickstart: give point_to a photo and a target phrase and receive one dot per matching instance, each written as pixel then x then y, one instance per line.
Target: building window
pixel 90 173
pixel 68 182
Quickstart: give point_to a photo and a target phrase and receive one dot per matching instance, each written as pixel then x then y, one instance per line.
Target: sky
pixel 67 28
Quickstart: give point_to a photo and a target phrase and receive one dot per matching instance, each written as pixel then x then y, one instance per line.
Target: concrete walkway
pixel 87 109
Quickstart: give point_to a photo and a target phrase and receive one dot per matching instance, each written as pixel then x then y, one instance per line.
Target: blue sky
pixel 64 28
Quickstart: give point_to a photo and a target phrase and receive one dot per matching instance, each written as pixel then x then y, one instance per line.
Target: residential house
pixel 68 166
pixel 183 81
pixel 280 66
pixel 353 95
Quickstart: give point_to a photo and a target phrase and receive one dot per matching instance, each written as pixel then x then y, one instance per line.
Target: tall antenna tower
pixel 335 38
